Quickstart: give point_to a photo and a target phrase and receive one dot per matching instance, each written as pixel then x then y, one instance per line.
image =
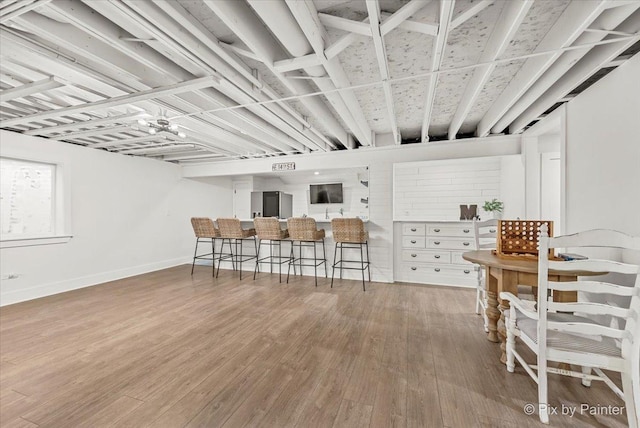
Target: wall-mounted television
pixel 326 193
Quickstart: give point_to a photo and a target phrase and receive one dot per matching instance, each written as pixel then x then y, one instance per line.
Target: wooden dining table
pixel 505 274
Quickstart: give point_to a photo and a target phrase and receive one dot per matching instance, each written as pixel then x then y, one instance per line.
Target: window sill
pixel 29 242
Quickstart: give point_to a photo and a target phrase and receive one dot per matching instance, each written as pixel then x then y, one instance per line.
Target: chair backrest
pixel 485 234
pixel 629 334
pixel 267 228
pixel 301 228
pixel 230 227
pixel 204 227
pixel 348 230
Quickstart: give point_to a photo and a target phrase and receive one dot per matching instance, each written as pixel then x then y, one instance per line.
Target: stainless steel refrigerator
pixel 271 204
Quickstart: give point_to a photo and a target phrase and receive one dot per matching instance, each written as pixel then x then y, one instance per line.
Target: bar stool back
pixel 205 229
pixel 304 233
pixel 350 233
pixel 231 229
pixel 268 229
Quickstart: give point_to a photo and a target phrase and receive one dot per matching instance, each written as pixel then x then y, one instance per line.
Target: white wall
pixel 128 216
pixel 603 153
pixel 380 162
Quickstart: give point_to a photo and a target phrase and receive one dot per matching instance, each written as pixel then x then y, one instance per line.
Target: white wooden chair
pixel 562 332
pixel 485 239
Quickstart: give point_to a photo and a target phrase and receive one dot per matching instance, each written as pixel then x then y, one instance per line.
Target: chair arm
pixel 519 304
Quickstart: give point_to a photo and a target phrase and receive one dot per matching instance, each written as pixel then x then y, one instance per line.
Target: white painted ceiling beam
pixel 86 124
pixel 298 137
pixel 508 23
pixel 245 23
pixel 16 13
pixel 171 158
pixel 573 21
pixel 596 59
pixel 160 137
pixel 298 63
pixel 415 26
pixel 99 131
pixel 401 15
pixel 609 19
pixel 437 53
pixel 158 62
pixel 373 8
pixel 29 88
pixel 345 24
pixel 178 88
pixel 473 10
pixel 344 102
pixel 339 45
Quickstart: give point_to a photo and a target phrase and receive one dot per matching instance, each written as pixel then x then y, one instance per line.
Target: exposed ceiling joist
pixel 510 19
pixel 345 24
pixel 475 9
pixel 595 60
pixel 373 7
pixel 30 88
pixel 19 8
pixel 92 123
pixel 610 18
pixel 401 15
pixel 439 44
pixel 573 21
pixel 178 88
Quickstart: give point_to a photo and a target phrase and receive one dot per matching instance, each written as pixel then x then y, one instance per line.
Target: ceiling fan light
pixel 182 135
pixel 142 122
pixel 152 131
pixel 173 127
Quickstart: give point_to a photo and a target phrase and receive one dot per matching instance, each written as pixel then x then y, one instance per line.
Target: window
pixel 31 206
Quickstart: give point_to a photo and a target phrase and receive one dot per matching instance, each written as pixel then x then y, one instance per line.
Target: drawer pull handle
pixel 414 255
pixel 467 271
pixel 437 256
pixel 413 241
pixel 413 229
pixel 436 230
pixel 437 269
pixel 466 230
pixel 492 231
pixel 466 244
pixel 413 268
pixel 437 242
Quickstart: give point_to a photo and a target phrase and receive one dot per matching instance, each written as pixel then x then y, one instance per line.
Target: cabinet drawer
pixel 413 229
pixel 426 256
pixel 451 243
pixel 435 274
pixel 456 258
pixel 451 230
pixel 413 241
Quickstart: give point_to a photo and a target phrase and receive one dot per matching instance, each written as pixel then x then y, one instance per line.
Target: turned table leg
pixel 508 281
pixel 492 311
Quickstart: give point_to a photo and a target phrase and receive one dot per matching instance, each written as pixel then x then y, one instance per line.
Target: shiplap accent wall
pixel 434 190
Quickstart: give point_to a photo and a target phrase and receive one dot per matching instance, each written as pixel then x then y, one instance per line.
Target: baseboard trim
pixel 58 287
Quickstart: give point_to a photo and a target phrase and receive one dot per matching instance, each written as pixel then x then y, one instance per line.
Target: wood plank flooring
pixel 166 349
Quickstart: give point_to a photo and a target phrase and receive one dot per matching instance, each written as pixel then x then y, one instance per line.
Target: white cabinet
pixel 431 253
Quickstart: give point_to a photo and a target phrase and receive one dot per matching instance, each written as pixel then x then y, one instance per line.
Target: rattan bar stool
pixel 268 229
pixel 349 233
pixel 205 229
pixel 231 229
pixel 304 233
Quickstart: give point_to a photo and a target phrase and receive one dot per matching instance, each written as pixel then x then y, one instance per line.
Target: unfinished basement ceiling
pixel 201 81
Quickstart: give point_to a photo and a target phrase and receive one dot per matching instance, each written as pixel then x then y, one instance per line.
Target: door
pixel 550 186
pixel 242 199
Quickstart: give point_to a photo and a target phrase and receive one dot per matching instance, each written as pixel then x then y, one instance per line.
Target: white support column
pixel 439 43
pixel 573 21
pixel 508 23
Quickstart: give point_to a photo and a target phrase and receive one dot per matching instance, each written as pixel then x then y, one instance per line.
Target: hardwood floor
pixel 169 350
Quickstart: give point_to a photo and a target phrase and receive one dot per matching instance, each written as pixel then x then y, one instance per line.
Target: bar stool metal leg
pixel 333 268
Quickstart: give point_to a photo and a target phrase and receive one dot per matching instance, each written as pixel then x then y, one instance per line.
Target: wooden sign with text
pixel 283 166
